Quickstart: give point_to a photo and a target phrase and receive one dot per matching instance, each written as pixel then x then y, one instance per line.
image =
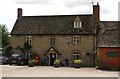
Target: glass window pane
pixel 29 39
pixel 76 39
pixel 52 41
pixel 76 55
pixel 74 24
pixel 112 54
pixel 80 24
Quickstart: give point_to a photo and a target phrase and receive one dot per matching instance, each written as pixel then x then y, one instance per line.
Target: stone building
pixel 65 36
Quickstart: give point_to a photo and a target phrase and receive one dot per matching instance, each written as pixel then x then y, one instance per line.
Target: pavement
pixel 50 71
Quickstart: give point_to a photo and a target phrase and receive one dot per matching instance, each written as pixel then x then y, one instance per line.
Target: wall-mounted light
pixel 87 53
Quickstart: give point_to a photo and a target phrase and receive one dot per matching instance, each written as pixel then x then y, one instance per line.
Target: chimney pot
pixel 97 3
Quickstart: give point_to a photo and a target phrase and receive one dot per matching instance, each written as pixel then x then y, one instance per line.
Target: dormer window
pixel 77 24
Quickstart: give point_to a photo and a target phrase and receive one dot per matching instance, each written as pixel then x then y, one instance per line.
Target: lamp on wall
pixel 44 54
pixel 87 53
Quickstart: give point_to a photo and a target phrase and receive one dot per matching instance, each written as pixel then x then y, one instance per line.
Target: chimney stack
pixel 19 12
pixel 96 11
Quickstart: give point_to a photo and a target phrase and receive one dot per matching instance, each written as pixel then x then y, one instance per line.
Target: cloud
pixel 9 21
pixel 82 0
pixel 31 1
pixel 73 3
pixel 109 10
pixel 8 8
pixel 105 11
pixel 83 9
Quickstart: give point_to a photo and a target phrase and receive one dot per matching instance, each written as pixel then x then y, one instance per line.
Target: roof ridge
pixel 109 21
pixel 59 15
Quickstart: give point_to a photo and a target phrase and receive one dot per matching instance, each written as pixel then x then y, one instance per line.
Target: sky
pixel 8 9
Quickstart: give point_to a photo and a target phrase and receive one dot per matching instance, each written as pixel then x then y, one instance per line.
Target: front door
pixel 52 58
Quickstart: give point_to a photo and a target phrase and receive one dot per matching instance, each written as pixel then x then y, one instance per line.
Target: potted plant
pixel 57 63
pixel 36 62
pixel 77 63
pixel 31 63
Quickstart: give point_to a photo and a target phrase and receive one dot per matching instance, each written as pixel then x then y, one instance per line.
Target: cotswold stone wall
pixel 63 44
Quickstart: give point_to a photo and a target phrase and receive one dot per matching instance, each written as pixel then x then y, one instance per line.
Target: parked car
pixel 3 59
pixel 16 59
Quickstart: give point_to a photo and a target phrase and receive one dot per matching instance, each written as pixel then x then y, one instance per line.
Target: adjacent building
pixel 109 43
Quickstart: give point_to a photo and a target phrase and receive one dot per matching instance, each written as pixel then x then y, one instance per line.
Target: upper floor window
pixel 77 24
pixel 29 39
pixel 76 40
pixel 52 41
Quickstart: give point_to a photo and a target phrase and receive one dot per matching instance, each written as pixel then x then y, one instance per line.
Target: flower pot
pixel 77 65
pixel 30 63
pixel 56 65
pixel 36 62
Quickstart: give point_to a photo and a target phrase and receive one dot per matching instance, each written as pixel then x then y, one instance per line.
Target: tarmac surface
pixel 50 71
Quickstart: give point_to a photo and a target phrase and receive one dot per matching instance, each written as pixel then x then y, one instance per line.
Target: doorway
pixel 52 58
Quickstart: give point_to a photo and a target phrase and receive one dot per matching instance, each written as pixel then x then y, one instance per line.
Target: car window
pixel 0 54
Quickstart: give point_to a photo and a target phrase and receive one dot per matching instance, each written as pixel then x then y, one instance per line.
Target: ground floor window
pixel 112 54
pixel 76 55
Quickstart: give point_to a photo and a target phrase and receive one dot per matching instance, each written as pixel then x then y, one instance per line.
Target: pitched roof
pixel 109 34
pixel 57 24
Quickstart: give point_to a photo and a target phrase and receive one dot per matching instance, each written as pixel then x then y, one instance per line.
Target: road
pixel 49 71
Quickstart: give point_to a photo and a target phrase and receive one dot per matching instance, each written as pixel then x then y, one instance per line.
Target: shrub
pixel 77 61
pixel 31 63
pixel 57 61
pixel 36 62
pixel 101 64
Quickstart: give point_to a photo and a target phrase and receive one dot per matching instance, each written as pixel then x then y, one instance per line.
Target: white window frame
pixel 77 24
pixel 29 39
pixel 80 24
pixel 76 55
pixel 74 24
pixel 76 38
